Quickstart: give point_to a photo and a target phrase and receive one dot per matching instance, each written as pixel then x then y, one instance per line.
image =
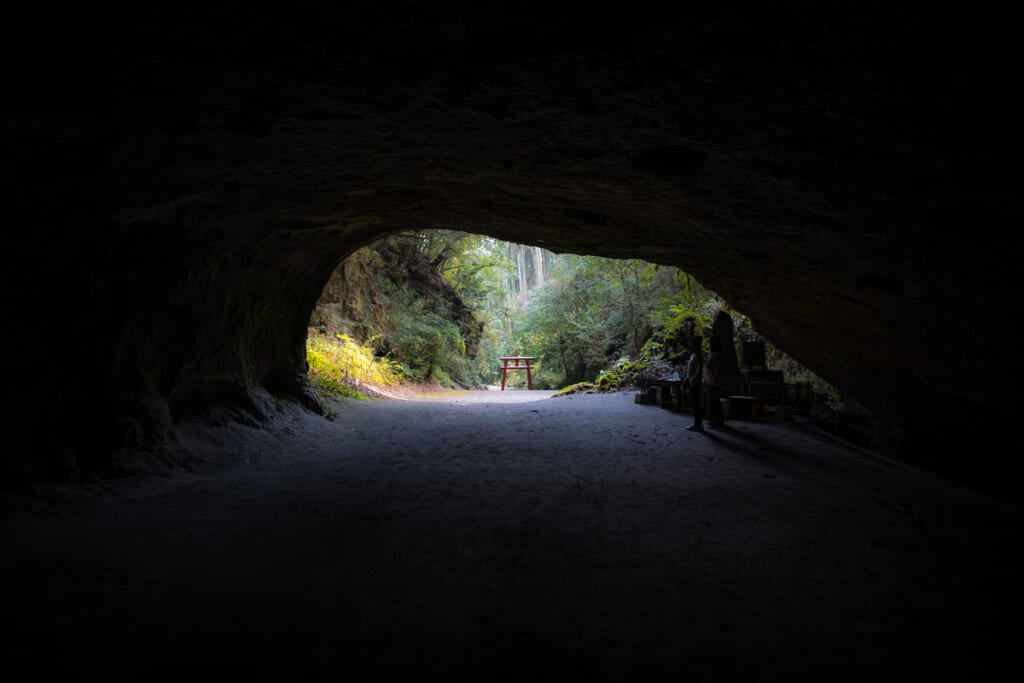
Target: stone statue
pixel 722 326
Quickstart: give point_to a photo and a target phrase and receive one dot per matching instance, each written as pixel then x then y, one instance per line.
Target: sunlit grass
pixel 339 366
pixel 441 394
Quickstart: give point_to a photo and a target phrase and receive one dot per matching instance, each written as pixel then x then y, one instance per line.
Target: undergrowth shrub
pixel 339 366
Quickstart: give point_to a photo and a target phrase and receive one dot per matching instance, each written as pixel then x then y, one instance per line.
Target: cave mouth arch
pixel 233 320
pixel 193 185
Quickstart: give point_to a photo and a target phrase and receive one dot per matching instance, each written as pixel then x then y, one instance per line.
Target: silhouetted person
pixel 713 369
pixel 694 380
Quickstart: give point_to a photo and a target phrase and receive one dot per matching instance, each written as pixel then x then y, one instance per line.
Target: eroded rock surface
pixel 180 183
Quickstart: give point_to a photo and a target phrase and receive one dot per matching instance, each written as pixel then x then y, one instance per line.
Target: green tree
pixel 591 312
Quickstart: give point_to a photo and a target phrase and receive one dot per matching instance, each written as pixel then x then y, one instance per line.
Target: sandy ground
pixel 508 535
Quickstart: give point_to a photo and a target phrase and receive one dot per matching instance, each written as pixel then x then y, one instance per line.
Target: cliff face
pixel 390 285
pixel 181 184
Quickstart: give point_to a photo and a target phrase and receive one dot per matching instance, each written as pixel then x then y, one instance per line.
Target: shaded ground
pixel 509 535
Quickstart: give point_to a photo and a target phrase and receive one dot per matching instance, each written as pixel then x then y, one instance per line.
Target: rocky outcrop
pixel 359 297
pixel 179 185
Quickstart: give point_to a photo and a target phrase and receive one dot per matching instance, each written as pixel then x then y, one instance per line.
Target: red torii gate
pixel 519 363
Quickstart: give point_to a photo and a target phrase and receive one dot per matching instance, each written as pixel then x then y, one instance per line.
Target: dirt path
pixel 515 536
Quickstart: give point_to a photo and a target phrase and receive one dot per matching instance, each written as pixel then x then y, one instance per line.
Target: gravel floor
pixel 498 535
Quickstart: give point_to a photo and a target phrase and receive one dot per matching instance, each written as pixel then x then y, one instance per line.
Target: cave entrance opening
pixel 430 311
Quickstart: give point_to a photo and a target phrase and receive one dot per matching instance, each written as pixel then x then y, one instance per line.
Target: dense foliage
pixel 593 312
pixel 392 299
pixel 340 367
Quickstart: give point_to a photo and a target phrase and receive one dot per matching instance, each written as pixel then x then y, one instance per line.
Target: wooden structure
pixel 768 385
pixel 667 392
pixel 518 363
pixel 774 394
pixel 743 407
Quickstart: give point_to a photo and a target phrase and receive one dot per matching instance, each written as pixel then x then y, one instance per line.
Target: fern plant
pixel 339 367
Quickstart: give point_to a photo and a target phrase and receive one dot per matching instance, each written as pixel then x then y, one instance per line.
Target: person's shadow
pixel 777 449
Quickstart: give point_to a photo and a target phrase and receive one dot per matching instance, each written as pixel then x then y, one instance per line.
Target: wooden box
pixel 743 407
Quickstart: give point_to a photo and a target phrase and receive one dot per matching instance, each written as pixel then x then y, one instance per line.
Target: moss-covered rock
pixel 578 388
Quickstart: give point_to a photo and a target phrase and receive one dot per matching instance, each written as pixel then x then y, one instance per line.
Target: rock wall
pixel 180 183
pixel 357 299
